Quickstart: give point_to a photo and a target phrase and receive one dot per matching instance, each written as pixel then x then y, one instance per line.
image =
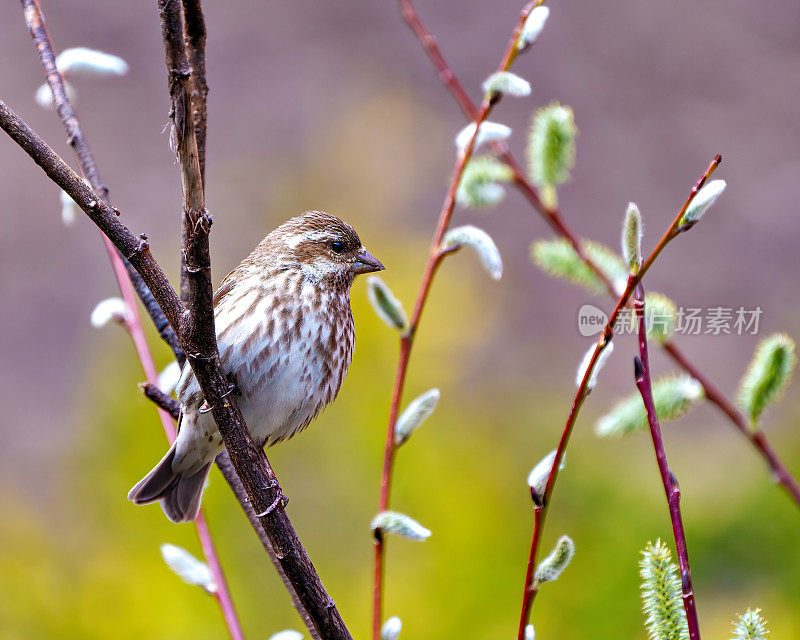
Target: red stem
pixel 557 223
pixel 779 471
pixel 530 589
pixel 671 488
pixel 435 257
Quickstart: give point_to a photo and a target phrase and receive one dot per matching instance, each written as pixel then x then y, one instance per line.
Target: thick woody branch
pixel 261 490
pixel 195 37
pixel 199 340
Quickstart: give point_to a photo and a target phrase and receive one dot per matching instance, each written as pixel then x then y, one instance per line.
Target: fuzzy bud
pixel 417 411
pixel 391 628
pixel 90 62
pixel 553 565
pixel 702 200
pixel 537 478
pixel 632 238
pixel 533 26
pixel 661 316
pixel 188 568
pixel 530 634
pixel 287 634
pixel 672 396
pixel 558 258
pixel 480 182
pixel 489 132
pixel 662 599
pixel 44 97
pixel 483 244
pixel 399 524
pixel 388 308
pixel 108 310
pixel 68 209
pixel 606 351
pixel 506 83
pixel 551 145
pixel 750 625
pixel 767 376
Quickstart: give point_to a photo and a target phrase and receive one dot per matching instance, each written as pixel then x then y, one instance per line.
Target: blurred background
pixel 334 106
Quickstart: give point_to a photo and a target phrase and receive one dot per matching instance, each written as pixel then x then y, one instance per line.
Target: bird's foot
pixel 280 502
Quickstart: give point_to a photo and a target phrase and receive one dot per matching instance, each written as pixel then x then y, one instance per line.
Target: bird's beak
pixel 365 262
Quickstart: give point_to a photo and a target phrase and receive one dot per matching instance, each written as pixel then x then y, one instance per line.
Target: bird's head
pixel 323 247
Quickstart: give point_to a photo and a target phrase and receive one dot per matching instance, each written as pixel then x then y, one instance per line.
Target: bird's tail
pixel 178 492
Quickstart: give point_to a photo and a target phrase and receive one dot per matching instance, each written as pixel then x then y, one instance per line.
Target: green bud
pixel 551 145
pixel 672 397
pixel 480 184
pixel 551 567
pixel 661 316
pixel 702 200
pixel 558 258
pixel 767 376
pixel 662 599
pixel 750 625
pixel 632 238
pixel 388 308
pixel 418 410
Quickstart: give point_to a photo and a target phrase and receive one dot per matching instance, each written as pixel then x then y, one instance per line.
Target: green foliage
pixel 767 376
pixel 481 182
pixel 672 397
pixel 558 258
pixel 388 308
pixel 750 625
pixel 662 601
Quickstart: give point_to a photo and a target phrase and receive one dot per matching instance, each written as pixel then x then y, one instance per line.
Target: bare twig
pixel 38 31
pixel 435 257
pixel 541 503
pixel 250 466
pixel 195 36
pixel 128 280
pixel 671 488
pixel 556 222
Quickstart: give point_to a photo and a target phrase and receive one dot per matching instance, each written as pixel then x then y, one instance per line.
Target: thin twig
pixel 250 466
pixel 38 31
pixel 541 503
pixel 127 280
pixel 671 488
pixel 435 258
pixel 757 438
pixel 556 221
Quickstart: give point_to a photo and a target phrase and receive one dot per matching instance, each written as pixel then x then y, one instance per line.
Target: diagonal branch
pixel 251 468
pixel 671 488
pixel 556 222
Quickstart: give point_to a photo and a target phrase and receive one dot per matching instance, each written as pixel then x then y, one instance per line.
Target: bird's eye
pixel 337 247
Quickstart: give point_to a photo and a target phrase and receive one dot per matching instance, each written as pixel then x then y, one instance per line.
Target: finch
pixel 285 335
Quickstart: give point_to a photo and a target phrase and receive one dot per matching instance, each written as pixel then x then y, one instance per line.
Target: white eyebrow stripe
pixel 310 236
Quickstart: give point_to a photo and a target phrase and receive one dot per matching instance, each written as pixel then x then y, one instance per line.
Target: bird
pixel 285 335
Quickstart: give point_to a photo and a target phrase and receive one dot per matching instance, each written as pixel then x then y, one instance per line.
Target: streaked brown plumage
pixel 285 335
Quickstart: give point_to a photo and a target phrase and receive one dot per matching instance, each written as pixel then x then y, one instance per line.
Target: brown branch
pixel 195 37
pixel 197 331
pixel 173 407
pixel 261 490
pixel 435 258
pixel 671 488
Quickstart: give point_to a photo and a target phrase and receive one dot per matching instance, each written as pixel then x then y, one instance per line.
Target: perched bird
pixel 285 335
